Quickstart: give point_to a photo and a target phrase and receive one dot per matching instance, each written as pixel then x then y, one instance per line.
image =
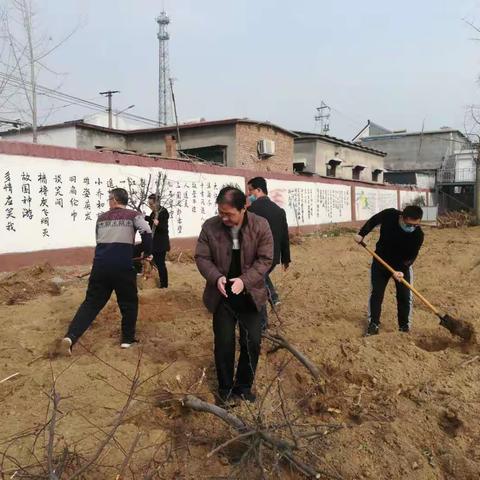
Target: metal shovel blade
pixel 457 327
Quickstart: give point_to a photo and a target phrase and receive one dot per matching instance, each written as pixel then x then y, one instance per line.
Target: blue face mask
pixel 407 228
pixel 252 198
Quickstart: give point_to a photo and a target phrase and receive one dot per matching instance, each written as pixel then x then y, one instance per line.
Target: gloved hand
pixel 358 238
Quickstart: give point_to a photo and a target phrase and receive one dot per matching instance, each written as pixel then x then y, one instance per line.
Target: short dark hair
pixel 120 195
pixel 233 196
pixel 154 197
pixel 412 211
pixel 259 182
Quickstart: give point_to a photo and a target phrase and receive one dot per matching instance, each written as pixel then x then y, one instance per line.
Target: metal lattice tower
pixel 323 116
pixel 164 103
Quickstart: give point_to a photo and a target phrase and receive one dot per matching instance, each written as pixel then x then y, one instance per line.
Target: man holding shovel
pixel 400 240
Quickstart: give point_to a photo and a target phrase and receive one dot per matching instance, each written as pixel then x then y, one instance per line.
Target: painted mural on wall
pixel 369 201
pixel 308 203
pixel 50 204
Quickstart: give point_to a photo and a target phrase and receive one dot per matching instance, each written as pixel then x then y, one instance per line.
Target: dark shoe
pixel 371 330
pixel 404 329
pixel 244 394
pixel 248 397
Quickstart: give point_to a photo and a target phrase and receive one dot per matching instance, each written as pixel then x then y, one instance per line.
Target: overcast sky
pixel 397 63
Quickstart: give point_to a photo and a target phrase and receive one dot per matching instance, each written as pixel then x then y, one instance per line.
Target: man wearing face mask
pixel 400 240
pixel 261 205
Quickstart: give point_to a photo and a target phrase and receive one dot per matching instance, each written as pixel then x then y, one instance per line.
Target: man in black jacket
pixel 400 240
pixel 264 207
pixel 158 221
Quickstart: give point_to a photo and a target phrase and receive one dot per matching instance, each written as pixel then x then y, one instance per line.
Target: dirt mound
pixel 181 256
pixel 30 282
pixel 396 405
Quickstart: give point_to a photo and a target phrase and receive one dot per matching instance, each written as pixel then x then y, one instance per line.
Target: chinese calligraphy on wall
pixel 309 203
pixel 51 204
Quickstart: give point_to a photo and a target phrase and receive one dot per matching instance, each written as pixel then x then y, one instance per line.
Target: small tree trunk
pixel 31 57
pixel 477 186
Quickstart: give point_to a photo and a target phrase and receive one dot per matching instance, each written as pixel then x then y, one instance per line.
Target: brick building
pixel 235 143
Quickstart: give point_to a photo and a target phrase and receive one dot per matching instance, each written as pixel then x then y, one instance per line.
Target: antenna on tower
pixel 323 117
pixel 164 104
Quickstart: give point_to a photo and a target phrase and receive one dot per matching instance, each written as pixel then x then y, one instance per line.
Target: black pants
pixel 137 253
pixel 224 323
pixel 379 279
pixel 159 259
pixel 100 287
pixel 272 297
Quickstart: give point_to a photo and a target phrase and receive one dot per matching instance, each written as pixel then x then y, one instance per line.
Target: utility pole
pixel 179 142
pixel 109 94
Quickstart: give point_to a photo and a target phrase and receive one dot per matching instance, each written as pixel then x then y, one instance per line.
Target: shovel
pixel 453 325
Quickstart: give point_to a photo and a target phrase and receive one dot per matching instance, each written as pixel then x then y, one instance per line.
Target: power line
pixel 352 121
pixel 57 95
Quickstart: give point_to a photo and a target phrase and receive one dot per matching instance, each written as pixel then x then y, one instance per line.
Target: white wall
pixel 50 204
pixel 369 201
pixel 409 197
pixel 309 203
pixel 426 180
pixel 63 137
pixel 118 121
pixel 53 203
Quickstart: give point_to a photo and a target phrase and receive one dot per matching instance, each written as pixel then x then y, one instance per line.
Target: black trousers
pixel 272 297
pixel 379 280
pixel 224 323
pixel 100 287
pixel 137 253
pixel 159 259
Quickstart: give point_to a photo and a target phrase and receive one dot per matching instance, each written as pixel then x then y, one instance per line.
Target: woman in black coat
pixel 158 221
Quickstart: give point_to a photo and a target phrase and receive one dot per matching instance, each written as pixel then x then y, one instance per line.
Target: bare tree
pixel 22 58
pixel 138 193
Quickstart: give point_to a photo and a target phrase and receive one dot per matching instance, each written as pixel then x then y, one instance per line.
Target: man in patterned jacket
pixel 112 270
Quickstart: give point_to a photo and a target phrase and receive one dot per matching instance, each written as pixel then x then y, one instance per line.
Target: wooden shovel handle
pixel 391 270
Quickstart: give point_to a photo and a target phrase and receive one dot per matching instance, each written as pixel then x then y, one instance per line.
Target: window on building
pixel 376 174
pixel 356 171
pixel 332 167
pixel 299 167
pixel 212 154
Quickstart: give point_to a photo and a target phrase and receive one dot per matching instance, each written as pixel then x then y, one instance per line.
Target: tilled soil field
pixel 392 406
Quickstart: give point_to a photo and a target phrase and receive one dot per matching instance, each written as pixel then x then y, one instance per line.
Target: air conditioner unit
pixel 266 147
